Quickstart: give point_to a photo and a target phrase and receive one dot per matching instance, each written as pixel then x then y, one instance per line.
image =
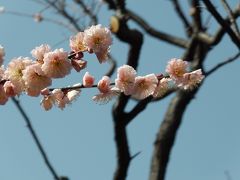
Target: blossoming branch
pixel 33 77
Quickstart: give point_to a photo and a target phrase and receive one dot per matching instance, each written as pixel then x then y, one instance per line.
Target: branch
pixel 197 20
pixel 157 34
pixel 222 22
pixel 141 105
pixel 167 134
pixel 231 16
pixel 35 138
pixel 182 16
pixel 229 60
pixel 64 13
pixel 113 63
pixel 135 40
pixel 87 11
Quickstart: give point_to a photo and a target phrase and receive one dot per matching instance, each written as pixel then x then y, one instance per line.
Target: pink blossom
pixel 191 80
pixel 35 79
pixel 2 54
pixel 176 68
pixel 40 51
pixel 76 42
pixel 72 95
pixel 45 92
pixel 78 64
pixel 144 86
pixel 14 72
pixel 3 96
pixel 103 98
pixel 47 102
pixel 98 40
pixel 88 80
pixel 162 87
pixel 104 84
pixel 9 89
pixel 56 64
pixel 2 72
pixel 61 98
pixel 125 79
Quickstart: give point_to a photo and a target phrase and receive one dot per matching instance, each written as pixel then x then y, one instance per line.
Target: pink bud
pixel 104 84
pixel 88 80
pixel 9 89
pixel 78 65
pixel 45 92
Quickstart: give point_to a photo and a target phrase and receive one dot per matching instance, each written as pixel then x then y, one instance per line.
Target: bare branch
pixel 113 63
pixel 196 14
pixel 231 16
pixel 61 10
pixel 141 105
pixel 229 60
pixel 36 139
pixel 179 11
pixel 87 11
pixel 223 23
pixel 157 34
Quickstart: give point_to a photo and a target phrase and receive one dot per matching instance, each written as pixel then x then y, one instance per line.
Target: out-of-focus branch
pixel 111 4
pixel 157 34
pixel 167 133
pixel 141 105
pixel 113 66
pixel 229 60
pixel 179 11
pixel 135 40
pixel 36 139
pixel 214 40
pixel 61 10
pixel 87 11
pixel 196 14
pixel 222 22
pixel 231 16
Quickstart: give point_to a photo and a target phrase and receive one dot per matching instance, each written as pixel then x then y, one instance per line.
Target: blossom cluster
pixel 33 77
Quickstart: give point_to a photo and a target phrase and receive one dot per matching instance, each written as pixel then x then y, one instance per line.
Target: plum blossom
pixel 56 64
pixel 98 39
pixel 2 71
pixel 191 80
pixel 78 64
pixel 162 87
pixel 76 43
pixel 144 86
pixel 106 91
pixel 88 80
pixel 3 96
pixel 103 98
pixel 176 68
pixel 14 72
pixel 104 84
pixel 2 54
pixel 40 51
pixel 59 97
pixel 35 79
pixel 10 89
pixel 125 79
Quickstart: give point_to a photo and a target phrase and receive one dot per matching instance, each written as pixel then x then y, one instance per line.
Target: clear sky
pixel 79 139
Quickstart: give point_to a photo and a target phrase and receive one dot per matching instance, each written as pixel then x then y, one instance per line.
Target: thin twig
pixel 231 16
pixel 229 60
pixel 179 11
pixel 157 34
pixel 222 22
pixel 35 138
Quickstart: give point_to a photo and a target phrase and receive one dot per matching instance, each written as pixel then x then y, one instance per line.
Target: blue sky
pixel 79 139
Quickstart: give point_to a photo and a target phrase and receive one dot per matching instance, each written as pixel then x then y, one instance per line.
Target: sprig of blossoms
pixel 34 76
